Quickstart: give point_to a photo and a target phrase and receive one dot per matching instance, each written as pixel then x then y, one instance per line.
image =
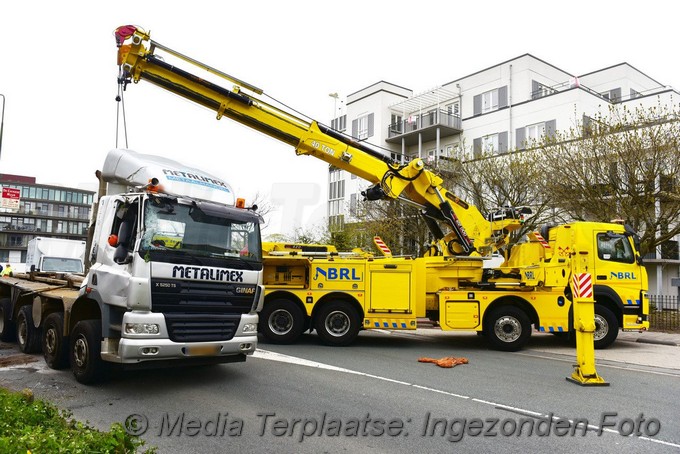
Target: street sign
pixel 10 198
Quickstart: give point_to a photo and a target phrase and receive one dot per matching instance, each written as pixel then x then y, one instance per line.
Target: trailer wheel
pixel 508 329
pixel 54 345
pixel 606 327
pixel 85 351
pixel 7 328
pixel 28 336
pixel 337 323
pixel 281 321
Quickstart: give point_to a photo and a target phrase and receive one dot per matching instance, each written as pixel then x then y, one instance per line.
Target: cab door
pixel 616 268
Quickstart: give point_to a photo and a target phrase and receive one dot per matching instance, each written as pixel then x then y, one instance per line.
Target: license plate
pixel 203 350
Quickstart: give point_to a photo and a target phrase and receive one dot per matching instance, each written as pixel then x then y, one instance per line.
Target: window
pixel 396 124
pixel 489 101
pixel 535 132
pixel 529 135
pixel 613 95
pixel 614 247
pixel 353 204
pixel 430 157
pixel 669 250
pixel 363 128
pixel 339 123
pixel 453 109
pixel 490 143
pixel 336 192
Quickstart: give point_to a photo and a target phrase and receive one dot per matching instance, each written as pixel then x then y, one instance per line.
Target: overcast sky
pixel 59 74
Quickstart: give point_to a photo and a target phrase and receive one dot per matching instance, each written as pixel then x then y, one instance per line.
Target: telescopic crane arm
pixel 412 183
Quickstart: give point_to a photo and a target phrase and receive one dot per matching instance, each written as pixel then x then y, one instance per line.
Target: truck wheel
pixel 85 351
pixel 54 345
pixel 7 328
pixel 508 329
pixel 28 336
pixel 337 323
pixel 606 327
pixel 281 321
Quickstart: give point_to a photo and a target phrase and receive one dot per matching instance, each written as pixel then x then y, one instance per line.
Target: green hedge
pixel 28 425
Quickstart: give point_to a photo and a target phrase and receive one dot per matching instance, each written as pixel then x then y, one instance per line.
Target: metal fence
pixel 664 313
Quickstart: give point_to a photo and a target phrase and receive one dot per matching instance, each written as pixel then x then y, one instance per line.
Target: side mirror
pixel 121 256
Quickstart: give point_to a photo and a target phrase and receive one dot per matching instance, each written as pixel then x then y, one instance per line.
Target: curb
pixel 657 342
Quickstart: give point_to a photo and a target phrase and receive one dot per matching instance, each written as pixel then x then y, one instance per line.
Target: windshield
pixel 62 265
pixel 175 229
pixel 614 247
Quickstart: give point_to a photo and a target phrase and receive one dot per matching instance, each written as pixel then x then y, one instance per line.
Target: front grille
pixel 171 296
pixel 201 327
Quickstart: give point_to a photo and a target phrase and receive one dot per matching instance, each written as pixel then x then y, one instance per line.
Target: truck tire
pixel 54 345
pixel 85 351
pixel 606 327
pixel 281 321
pixel 28 336
pixel 7 328
pixel 508 329
pixel 337 323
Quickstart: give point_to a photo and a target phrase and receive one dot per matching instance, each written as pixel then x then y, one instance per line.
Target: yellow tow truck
pixel 316 287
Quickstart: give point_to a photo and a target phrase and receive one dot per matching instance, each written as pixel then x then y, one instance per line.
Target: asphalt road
pixel 376 397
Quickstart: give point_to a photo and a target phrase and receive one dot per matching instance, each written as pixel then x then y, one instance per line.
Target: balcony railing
pixel 425 124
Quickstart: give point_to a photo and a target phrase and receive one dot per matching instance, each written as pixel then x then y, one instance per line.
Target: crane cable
pixel 120 109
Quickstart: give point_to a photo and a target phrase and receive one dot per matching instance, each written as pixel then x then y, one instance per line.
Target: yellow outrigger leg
pixel 584 324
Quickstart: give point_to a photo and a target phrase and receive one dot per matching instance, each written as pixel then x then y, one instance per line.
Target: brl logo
pixel 338 274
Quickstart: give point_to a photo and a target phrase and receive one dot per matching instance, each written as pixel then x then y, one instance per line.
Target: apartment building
pixel 42 210
pixel 495 110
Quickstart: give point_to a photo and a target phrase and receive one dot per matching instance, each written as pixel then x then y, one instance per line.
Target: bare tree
pixel 621 166
pixel 493 182
pixel 400 226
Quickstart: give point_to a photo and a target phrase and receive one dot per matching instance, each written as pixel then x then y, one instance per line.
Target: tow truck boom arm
pixel 413 183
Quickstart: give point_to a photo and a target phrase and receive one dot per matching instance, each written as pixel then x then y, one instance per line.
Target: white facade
pixel 496 109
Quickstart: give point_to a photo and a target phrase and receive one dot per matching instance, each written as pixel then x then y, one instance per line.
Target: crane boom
pixel 470 232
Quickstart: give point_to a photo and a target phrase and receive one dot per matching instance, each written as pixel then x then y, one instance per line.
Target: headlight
pixel 250 328
pixel 142 328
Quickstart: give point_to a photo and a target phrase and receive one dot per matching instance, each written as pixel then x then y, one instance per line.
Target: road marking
pixel 273 356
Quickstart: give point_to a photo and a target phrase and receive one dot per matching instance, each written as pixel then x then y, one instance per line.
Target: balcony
pixel 424 125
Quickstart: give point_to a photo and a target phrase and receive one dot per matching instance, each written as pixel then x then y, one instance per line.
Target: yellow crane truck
pixel 315 287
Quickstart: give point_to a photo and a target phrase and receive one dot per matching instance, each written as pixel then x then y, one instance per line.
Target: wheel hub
pixel 601 327
pixel 508 329
pixel 80 352
pixel 337 323
pixel 51 341
pixel 281 322
pixel 22 332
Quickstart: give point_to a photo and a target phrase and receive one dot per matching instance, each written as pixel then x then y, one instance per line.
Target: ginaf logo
pixel 338 274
